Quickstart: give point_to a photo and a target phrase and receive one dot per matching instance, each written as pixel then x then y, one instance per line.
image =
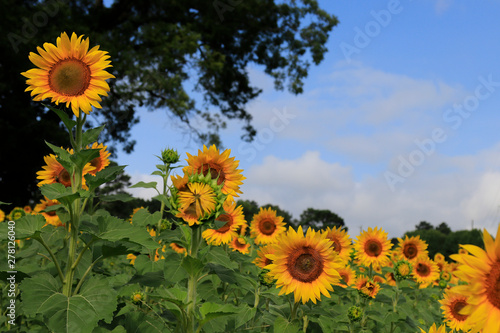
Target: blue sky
pixel 397 125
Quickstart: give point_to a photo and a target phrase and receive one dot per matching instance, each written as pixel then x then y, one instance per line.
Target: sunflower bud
pixel 354 313
pixel 165 224
pixel 137 297
pixel 402 270
pixel 265 278
pixel 170 156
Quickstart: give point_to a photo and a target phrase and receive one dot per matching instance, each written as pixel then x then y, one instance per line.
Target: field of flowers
pixel 197 265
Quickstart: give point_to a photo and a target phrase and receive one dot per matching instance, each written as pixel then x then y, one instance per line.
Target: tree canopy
pixel 319 219
pixel 189 58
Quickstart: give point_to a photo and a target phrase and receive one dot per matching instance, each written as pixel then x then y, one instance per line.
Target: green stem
pixel 54 259
pixel 294 311
pixel 85 275
pixel 193 280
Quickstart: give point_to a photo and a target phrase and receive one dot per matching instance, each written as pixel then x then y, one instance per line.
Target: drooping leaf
pixel 145 185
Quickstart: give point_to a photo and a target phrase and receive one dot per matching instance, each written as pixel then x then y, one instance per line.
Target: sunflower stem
pixel 293 315
pixel 193 280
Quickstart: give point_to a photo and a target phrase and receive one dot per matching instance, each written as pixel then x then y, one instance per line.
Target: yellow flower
pixel 480 269
pixel 16 213
pixel 452 305
pixel 198 201
pixel 412 247
pixel 131 257
pixel 54 172
pixel 266 226
pixel 102 160
pixel 262 260
pixel 239 244
pixel 304 264
pixel 51 216
pixel 69 73
pixel 2 215
pixel 367 287
pixel 27 209
pixel 425 271
pixel 178 248
pixel 233 219
pixel 435 329
pixel 342 244
pixel 347 276
pixel 220 167
pixel 372 247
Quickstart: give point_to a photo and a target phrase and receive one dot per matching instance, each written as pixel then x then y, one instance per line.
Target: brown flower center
pixel 410 251
pixel 229 222
pixel 97 164
pixel 492 284
pixel 345 277
pixel 423 269
pixel 305 264
pixel 373 248
pixel 455 308
pixel 240 243
pixel 267 226
pixel 69 77
pixel 336 246
pixel 63 177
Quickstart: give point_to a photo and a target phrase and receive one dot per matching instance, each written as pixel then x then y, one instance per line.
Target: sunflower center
pixel 240 243
pixel 423 270
pixel 267 227
pixel 305 264
pixel 493 284
pixel 410 251
pixel 345 277
pixel 456 307
pixel 215 172
pixel 336 246
pixel 224 218
pixel 373 248
pixel 63 177
pixel 96 163
pixel 69 77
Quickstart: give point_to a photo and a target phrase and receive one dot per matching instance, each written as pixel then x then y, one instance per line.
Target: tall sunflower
pixel 196 203
pixel 347 275
pixel 425 271
pixel 266 226
pixel 262 260
pixel 342 243
pixel 239 244
pixel 233 219
pixel 50 216
pixel 372 247
pixel 54 172
pixel 304 264
pixel 70 73
pixel 101 161
pixel 367 287
pixel 452 305
pixel 480 269
pixel 411 248
pixel 219 166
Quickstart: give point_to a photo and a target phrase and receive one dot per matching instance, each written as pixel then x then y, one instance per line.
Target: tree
pixel 250 208
pixel 320 218
pixel 161 51
pixel 444 228
pixel 424 225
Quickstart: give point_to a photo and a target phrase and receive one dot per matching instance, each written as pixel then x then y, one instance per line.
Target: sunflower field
pixel 197 265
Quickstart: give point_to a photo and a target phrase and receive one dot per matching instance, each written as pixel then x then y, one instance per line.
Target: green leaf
pixel 83 157
pixel 25 227
pixel 64 117
pixel 104 176
pixel 225 274
pixel 149 279
pixel 193 266
pixel 5 203
pixel 114 229
pixel 143 218
pixel 246 313
pixel 217 255
pixel 163 198
pixel 91 135
pixel 173 271
pixel 80 313
pixel 282 325
pixel 61 193
pixel 137 322
pixel 145 185
pixel 211 311
pixel 143 264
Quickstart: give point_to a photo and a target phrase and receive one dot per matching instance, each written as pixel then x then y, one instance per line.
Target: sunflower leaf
pixel 83 157
pixel 124 197
pixel 105 175
pixel 61 193
pixel 91 135
pixel 163 198
pixel 282 325
pixel 26 226
pixel 64 117
pixel 145 185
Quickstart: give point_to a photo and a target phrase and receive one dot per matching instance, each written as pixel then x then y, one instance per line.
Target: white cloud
pixel 442 5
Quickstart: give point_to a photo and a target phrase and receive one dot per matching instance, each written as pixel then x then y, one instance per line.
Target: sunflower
pixel 402 269
pixel 102 160
pixel 16 213
pixel 411 248
pixel 2 215
pixel 347 276
pixel 372 247
pixel 69 73
pixel 196 203
pixel 266 226
pixel 132 258
pixel 54 172
pixel 50 216
pixel 425 271
pixel 304 264
pixel 262 260
pixel 219 166
pixel 342 244
pixel 233 219
pixel 480 269
pixel 390 279
pixel 178 248
pixel 239 244
pixel 435 329
pixel 27 209
pixel 367 287
pixel 451 304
